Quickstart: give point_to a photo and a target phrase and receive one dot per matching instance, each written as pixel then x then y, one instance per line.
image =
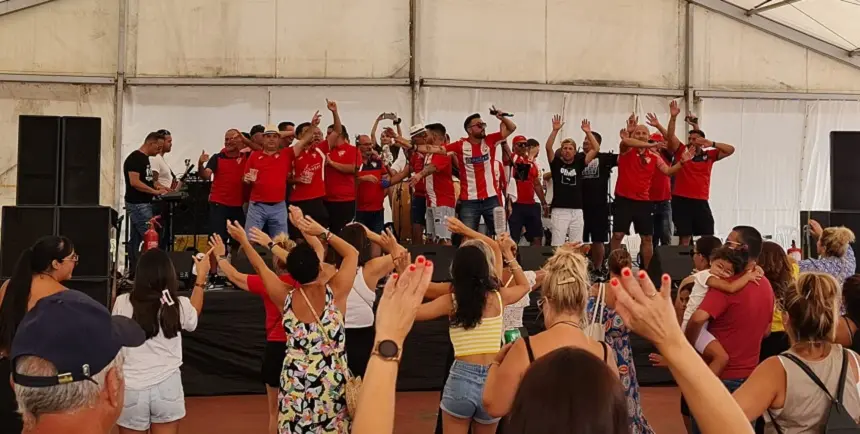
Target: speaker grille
pixel 38 158
pixel 22 226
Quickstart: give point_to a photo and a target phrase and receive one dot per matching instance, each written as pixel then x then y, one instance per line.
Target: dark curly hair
pixel 472 282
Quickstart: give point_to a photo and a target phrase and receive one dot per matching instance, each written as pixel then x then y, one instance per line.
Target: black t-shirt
pixel 137 162
pixel 595 179
pixel 567 182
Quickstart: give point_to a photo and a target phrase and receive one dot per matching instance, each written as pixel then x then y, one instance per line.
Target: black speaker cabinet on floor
pixel 442 257
pixel 99 288
pixel 532 257
pixel 22 226
pixel 80 161
pixel 844 176
pixel 676 261
pixel 91 229
pixel 38 160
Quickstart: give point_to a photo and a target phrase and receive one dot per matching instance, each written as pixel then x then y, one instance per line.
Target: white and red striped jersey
pixel 440 184
pixel 501 180
pixel 477 170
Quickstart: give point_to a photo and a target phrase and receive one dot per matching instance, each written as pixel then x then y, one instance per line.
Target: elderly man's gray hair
pixel 34 402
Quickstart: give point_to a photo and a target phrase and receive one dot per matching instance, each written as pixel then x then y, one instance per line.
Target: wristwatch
pixel 325 235
pixel 271 245
pixel 387 350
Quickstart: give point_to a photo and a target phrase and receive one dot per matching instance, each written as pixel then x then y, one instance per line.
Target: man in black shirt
pixel 140 188
pixel 567 167
pixel 595 199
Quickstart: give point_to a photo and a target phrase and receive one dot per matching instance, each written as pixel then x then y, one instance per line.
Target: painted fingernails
pixel 626 272
pixel 429 264
pixel 642 274
pixel 666 278
pixel 614 281
pixel 394 276
pixel 412 267
pixel 420 260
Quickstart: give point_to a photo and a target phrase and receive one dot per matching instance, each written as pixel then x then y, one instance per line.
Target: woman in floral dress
pixel 618 338
pixel 313 382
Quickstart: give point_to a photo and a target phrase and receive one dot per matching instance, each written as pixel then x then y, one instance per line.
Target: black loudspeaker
pixel 533 257
pixel 183 263
pixel 91 229
pixel 98 289
pixel 191 217
pixel 80 161
pixel 850 220
pixel 442 257
pixel 38 160
pixel 807 244
pixel 22 226
pixel 844 176
pixel 676 261
pixel 243 265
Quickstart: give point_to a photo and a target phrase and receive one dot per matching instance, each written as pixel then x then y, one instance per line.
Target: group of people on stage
pixel 326 326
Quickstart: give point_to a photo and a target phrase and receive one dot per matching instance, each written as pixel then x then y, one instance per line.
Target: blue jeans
pixel 662 223
pixel 271 216
pixel 732 385
pixel 471 212
pixel 462 395
pixel 138 216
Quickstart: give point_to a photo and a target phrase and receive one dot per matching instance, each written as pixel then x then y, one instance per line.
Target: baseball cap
pixel 416 130
pixel 519 139
pixel 76 334
pixel 271 129
pixel 656 137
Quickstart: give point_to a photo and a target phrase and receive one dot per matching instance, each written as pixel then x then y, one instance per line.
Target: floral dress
pixel 312 398
pixel 618 338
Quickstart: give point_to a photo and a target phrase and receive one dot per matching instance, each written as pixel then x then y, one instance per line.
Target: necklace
pixel 570 323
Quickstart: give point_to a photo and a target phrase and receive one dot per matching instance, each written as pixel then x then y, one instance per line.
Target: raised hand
pixel 204 157
pixel 651 119
pixel 315 120
pixel 509 247
pixel 202 265
pixel 236 231
pixel 632 122
pixel 296 214
pixel 557 123
pixel 217 245
pixel 692 119
pixel 586 126
pixel 400 300
pixel 644 309
pixel 674 110
pixel 309 226
pixel 259 237
pixel 625 134
pixel 456 226
pixel 331 105
pixel 815 228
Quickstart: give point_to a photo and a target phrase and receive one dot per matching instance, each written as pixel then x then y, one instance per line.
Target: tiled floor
pixel 416 413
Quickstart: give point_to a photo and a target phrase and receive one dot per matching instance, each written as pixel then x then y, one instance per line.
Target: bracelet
pixel 516 268
pixel 220 257
pixel 201 285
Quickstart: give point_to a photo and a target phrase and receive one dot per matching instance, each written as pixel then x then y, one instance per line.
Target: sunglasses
pixel 74 258
pixel 479 125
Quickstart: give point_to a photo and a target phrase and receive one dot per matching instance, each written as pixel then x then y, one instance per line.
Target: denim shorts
pixel 162 403
pixel 464 393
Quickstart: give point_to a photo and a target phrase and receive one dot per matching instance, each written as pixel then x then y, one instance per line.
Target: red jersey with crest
pixel 309 173
pixel 339 186
pixel 440 184
pixel 694 178
pixel 272 171
pixel 635 171
pixel 371 194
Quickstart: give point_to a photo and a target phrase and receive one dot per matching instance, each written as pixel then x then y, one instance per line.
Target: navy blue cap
pixel 76 334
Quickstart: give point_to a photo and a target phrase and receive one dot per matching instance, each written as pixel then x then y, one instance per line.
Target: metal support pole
pixel 414 80
pixel 689 36
pixel 758 10
pixel 117 129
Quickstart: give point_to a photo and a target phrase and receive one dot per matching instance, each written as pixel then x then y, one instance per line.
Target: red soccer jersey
pixel 339 186
pixel 477 171
pixel 524 173
pixel 371 194
pixel 661 185
pixel 635 171
pixel 308 167
pixel 227 186
pixel 272 171
pixel 740 321
pixel 274 329
pixel 694 179
pixel 416 164
pixel 440 184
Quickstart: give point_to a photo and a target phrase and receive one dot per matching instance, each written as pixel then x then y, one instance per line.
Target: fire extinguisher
pixel 150 237
pixel 794 252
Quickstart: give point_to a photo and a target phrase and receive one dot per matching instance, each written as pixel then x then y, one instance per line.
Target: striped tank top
pixel 485 338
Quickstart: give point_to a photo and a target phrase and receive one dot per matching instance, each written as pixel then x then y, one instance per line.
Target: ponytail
pixel 16 298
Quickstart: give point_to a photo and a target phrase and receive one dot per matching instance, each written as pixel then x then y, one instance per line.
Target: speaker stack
pixel 58 194
pixel 844 195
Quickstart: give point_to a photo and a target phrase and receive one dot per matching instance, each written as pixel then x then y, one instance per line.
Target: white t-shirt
pixel 165 176
pixel 514 312
pixel 359 303
pixel 697 295
pixel 158 358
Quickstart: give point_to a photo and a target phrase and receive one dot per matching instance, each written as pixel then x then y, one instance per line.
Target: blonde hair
pixel 565 284
pixel 283 241
pixel 812 305
pixel 835 240
pixel 488 254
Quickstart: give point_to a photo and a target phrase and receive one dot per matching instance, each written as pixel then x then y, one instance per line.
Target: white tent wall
pixel 54 100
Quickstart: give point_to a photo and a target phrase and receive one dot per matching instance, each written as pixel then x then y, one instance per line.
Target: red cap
pixel 657 137
pixel 519 139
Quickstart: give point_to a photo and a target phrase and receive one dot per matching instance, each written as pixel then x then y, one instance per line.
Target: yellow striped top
pixel 485 338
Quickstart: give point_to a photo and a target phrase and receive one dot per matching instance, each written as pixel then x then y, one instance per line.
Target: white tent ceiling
pixel 834 21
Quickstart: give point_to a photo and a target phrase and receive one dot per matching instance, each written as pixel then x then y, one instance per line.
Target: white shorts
pixel 568 225
pixel 437 224
pixel 162 403
pixel 705 337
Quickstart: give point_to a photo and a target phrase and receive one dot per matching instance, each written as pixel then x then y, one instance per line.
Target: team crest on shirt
pixel 478 159
pixel 340 153
pixel 647 160
pixel 700 158
pixel 592 171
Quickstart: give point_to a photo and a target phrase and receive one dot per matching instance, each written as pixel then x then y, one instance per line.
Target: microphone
pixel 503 114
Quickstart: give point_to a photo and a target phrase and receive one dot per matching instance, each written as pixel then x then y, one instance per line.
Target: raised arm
pixel 671 139
pixel 343 280
pixel 379 267
pixel 512 294
pixel 457 227
pixel 307 135
pixel 508 126
pixel 338 127
pixel 204 172
pixel 373 130
pixel 276 289
pixel 220 252
pixel 550 141
pixel 595 145
pixel 202 267
pixel 296 216
pixel 724 149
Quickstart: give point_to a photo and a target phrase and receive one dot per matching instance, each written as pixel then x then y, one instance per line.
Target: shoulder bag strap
pixel 529 350
pixel 605 351
pixel 809 372
pixel 841 388
pixel 316 317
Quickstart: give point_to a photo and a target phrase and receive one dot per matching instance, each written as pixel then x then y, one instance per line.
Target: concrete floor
pixel 415 413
